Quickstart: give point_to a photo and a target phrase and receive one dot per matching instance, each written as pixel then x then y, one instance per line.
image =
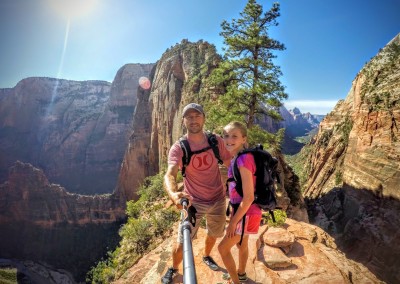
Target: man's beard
pixel 195 129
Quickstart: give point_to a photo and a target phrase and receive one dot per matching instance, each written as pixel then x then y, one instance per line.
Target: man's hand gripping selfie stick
pixel 189 271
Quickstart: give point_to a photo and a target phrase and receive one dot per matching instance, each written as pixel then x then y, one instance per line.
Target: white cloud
pixel 312 106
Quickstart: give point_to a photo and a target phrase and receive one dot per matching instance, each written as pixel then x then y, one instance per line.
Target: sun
pixel 72 8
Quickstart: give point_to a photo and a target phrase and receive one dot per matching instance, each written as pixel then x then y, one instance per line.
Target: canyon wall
pixel 354 167
pixel 176 81
pixel 42 222
pixel 76 132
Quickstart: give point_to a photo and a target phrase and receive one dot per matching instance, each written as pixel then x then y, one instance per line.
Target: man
pixel 202 186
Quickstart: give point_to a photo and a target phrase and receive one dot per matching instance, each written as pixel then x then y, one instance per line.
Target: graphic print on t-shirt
pixel 202 161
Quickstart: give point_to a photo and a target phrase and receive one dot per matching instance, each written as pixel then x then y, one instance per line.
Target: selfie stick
pixel 189 271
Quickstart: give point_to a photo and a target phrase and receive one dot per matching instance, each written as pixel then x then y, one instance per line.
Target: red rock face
pixel 359 141
pixel 354 167
pixel 157 122
pixel 296 253
pixel 42 222
pixel 373 157
pixel 76 132
pixel 28 197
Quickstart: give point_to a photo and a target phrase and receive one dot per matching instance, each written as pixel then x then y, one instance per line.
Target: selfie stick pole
pixel 189 271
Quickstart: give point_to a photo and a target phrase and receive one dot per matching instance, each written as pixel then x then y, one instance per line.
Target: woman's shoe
pixel 242 277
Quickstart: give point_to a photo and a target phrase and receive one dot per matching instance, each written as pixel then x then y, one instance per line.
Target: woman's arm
pixel 248 198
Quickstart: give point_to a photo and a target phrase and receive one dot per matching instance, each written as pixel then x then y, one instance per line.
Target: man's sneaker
pixel 210 262
pixel 169 275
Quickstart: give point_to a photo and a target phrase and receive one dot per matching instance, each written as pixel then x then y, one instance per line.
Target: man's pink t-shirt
pixel 203 178
pixel 247 161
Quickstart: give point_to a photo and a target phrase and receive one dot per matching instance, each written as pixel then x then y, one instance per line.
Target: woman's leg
pixel 243 254
pixel 224 249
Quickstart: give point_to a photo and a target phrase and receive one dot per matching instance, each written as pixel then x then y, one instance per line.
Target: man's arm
pixel 171 187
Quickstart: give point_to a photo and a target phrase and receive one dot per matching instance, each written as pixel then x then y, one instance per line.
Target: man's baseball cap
pixel 191 106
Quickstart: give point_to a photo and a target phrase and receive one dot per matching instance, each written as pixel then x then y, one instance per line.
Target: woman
pixel 235 138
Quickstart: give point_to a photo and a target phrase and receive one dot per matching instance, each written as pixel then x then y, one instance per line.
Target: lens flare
pixel 144 83
pixel 72 9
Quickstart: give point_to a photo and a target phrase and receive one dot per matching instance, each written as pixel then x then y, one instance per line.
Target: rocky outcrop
pixel 365 227
pixel 177 80
pixel 27 196
pixel 359 141
pixel 31 272
pixel 354 166
pixel 76 132
pixel 296 253
pixel 42 222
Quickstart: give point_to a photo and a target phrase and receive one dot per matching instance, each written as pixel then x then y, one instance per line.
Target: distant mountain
pixel 297 124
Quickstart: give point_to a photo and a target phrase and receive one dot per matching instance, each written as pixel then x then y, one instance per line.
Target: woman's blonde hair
pixel 237 125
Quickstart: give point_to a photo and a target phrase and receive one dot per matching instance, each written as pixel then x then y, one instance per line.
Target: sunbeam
pixel 64 49
pixel 60 68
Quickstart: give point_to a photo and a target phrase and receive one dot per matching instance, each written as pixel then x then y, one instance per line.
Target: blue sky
pixel 327 41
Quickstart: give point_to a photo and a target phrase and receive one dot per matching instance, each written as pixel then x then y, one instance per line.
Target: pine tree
pixel 247 73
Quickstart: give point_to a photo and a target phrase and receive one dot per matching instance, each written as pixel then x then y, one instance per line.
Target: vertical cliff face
pixel 373 161
pixel 137 163
pixel 41 221
pixel 28 197
pixel 49 122
pixel 354 167
pixel 76 132
pixel 177 79
pixel 115 124
pixel 359 141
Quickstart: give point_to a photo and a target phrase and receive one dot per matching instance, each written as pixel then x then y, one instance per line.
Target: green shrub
pixel 300 164
pixel 338 178
pixel 280 218
pixel 345 128
pixel 8 275
pixel 138 233
pixel 147 219
pixel 164 220
pixel 101 274
pixel 325 138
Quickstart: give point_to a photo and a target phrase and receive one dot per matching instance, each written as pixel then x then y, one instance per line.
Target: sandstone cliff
pixel 354 167
pixel 27 196
pixel 177 80
pixel 76 132
pixel 42 222
pixel 296 253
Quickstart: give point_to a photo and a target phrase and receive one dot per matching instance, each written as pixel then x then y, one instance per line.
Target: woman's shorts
pixel 252 224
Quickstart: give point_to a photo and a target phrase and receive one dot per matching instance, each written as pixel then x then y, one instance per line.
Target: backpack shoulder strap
pixel 213 142
pixel 236 174
pixel 187 153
